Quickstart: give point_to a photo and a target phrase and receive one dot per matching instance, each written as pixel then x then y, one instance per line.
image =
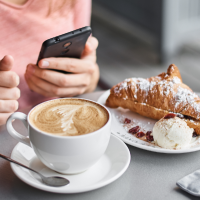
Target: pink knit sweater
pixel 24 28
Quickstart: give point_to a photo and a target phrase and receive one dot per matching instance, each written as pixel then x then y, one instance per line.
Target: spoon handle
pixel 13 161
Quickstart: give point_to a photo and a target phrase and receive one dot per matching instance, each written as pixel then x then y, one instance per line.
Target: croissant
pixel 157 96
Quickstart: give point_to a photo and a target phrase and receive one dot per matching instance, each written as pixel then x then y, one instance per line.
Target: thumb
pixel 91 44
pixel 6 63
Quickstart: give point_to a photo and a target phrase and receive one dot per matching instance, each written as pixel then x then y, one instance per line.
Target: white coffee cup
pixel 64 154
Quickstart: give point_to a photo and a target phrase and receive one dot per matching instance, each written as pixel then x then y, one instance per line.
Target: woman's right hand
pixel 9 93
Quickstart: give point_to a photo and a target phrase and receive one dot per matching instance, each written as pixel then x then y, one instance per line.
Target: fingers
pixel 36 88
pixel 59 79
pixel 49 90
pixel 89 52
pixel 66 64
pixel 9 93
pixel 91 44
pixel 73 65
pixel 50 83
pixel 8 106
pixel 8 79
pixel 6 63
pixel 4 117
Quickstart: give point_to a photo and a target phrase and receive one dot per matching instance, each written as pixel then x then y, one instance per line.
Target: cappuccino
pixel 68 117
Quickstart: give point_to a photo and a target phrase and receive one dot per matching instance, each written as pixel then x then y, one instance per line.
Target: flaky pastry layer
pixel 157 96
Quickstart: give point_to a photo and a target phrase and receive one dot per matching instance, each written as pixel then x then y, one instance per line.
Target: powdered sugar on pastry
pixel 157 96
pixel 146 85
pixel 183 95
pixel 123 85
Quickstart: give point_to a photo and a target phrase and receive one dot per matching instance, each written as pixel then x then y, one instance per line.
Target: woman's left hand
pixel 49 83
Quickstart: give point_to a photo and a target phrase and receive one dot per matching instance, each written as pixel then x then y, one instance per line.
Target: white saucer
pixel 110 167
pixel 120 130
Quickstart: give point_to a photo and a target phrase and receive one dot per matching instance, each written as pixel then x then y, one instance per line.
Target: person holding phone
pixel 25 24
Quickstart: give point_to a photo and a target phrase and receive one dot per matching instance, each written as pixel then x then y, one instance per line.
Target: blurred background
pixel 141 38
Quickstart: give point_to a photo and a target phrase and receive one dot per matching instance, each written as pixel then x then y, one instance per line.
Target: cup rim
pixel 71 137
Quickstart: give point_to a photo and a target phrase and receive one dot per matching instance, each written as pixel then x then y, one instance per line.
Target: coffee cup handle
pixel 13 132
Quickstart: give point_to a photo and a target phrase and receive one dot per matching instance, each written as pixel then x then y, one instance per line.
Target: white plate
pixel 120 130
pixel 110 167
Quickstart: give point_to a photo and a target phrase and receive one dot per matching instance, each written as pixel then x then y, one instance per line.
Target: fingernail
pixel 31 69
pixel 45 63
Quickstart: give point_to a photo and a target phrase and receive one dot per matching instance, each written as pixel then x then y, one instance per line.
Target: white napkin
pixel 191 183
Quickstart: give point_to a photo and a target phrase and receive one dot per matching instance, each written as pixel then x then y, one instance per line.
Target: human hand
pixel 84 77
pixel 9 93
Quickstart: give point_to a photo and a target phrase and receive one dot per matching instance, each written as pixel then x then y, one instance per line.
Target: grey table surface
pixel 149 176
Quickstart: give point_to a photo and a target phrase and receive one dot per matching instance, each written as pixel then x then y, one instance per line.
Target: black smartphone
pixel 70 44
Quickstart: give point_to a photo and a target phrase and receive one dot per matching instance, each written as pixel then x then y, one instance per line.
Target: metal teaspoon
pixel 55 181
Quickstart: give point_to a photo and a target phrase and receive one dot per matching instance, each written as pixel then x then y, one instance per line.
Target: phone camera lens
pixel 57 39
pixel 66 45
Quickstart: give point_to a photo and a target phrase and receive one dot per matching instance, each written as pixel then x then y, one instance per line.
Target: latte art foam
pixel 68 117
